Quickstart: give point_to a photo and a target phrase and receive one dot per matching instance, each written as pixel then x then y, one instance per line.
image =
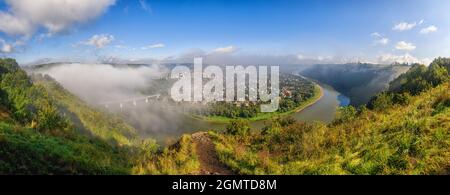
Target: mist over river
pixel 99 83
pixel 323 110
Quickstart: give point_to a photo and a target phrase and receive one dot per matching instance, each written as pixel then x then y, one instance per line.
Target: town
pixel 236 84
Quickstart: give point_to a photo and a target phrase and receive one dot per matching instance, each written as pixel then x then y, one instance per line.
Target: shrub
pixel 238 128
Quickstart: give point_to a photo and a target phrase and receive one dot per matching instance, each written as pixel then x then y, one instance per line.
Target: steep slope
pixel 39 134
pixel 92 121
pixel 36 139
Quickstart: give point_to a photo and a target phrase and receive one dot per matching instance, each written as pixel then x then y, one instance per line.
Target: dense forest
pixel 44 129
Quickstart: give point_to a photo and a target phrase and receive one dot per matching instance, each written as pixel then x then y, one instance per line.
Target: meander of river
pixel 323 110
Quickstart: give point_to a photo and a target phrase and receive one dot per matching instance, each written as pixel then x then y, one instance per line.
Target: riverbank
pixel 318 94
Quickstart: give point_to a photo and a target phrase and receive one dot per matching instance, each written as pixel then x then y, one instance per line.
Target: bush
pixel 238 128
pixel 345 114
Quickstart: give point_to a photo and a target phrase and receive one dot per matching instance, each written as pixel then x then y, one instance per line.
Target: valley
pixel 401 131
pixel 154 119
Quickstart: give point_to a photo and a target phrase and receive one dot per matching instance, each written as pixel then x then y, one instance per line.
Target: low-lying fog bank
pixel 115 85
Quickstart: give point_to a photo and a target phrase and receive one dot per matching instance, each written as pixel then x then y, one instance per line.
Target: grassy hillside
pixel 43 131
pixel 25 151
pixel 180 158
pixel 402 133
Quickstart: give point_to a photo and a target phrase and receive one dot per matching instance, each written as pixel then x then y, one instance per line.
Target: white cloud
pixel 402 45
pixel 379 39
pixel 406 58
pixel 404 26
pixel 12 25
pixel 100 41
pixel 24 17
pixel 421 22
pixel 154 46
pixel 383 41
pixel 145 6
pixel 375 34
pixel 428 29
pixel 6 47
pixel 224 50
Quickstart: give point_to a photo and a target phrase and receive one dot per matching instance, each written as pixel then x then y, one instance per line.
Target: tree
pixel 443 62
pixel 437 74
pixel 420 78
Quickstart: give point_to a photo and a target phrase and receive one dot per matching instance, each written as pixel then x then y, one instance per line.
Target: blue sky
pixel 315 31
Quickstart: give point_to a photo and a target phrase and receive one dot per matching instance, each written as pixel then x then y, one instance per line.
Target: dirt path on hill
pixel 209 162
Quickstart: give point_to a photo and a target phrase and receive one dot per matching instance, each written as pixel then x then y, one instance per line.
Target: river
pixel 323 110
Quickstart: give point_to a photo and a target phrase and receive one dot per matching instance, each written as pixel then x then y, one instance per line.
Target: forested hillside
pixel 94 122
pixel 36 139
pixel 46 130
pixel 357 81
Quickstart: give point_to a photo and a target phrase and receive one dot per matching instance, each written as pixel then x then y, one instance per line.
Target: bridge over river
pixel 169 122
